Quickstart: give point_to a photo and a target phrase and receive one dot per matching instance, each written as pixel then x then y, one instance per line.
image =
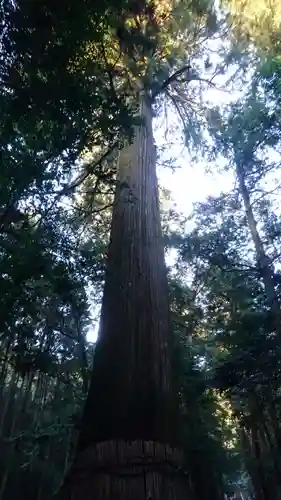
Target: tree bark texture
pixel 127 449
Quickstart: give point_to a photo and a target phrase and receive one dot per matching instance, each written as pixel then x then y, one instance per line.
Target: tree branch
pixel 171 79
pixel 89 169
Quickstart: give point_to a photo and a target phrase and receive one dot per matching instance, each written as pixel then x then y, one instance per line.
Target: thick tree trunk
pixel 127 446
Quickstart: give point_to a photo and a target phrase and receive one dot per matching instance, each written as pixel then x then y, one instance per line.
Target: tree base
pixel 121 470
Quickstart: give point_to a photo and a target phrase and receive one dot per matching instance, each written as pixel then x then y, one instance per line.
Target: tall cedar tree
pixel 126 446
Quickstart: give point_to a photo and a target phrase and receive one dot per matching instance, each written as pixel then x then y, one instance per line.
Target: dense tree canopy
pixel 70 74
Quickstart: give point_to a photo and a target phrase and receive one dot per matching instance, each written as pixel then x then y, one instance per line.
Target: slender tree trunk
pixel 5 347
pixel 15 417
pixel 251 464
pixel 263 260
pixel 258 457
pixel 275 420
pixel 83 357
pixel 127 445
pixel 266 431
pixel 273 454
pixel 7 399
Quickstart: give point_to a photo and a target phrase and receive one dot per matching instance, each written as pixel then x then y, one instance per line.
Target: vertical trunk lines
pixel 131 382
pixel 126 448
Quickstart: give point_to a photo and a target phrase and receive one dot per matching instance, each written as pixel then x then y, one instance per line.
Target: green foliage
pixel 256 21
pixel 205 434
pixel 50 114
pixel 233 257
pixel 67 97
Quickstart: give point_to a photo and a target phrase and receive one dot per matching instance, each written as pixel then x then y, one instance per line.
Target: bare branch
pixel 174 77
pixel 89 169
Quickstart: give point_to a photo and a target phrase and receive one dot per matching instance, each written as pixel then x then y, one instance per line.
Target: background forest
pixel 66 74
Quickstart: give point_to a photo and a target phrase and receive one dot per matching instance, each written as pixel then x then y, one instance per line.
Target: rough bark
pixel 127 449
